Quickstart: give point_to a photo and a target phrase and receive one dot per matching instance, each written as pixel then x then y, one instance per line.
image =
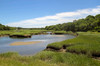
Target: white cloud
pixel 56 19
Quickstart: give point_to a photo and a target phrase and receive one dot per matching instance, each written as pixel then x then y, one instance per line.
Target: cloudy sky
pixel 41 13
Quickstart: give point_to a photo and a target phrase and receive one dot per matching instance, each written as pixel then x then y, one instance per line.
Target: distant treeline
pixel 90 23
pixel 3 27
pixel 33 28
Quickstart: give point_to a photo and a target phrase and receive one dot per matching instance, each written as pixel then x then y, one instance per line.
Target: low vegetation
pixel 22 32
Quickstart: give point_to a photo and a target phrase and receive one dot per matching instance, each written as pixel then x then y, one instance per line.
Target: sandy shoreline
pixel 58 35
pixel 24 43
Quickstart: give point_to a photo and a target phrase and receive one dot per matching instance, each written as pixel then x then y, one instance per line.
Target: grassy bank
pixel 63 32
pixel 29 33
pixel 22 32
pixel 78 52
pixel 86 43
pixel 47 58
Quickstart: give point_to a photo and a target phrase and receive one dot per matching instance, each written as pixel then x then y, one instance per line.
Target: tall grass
pixel 13 59
pixel 47 58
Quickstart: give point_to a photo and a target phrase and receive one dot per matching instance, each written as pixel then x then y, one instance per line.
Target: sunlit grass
pixel 47 58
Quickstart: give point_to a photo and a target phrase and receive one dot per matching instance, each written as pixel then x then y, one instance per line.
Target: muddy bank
pixel 64 49
pixel 4 35
pixel 20 36
pixel 56 48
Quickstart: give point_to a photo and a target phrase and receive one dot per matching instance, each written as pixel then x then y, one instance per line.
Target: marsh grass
pixel 22 32
pixel 13 59
pixel 86 44
pixel 47 58
pixel 63 32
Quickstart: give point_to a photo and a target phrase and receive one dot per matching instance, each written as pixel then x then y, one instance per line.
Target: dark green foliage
pixel 3 27
pixel 90 23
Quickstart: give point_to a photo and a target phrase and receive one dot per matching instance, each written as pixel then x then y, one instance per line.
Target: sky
pixel 41 13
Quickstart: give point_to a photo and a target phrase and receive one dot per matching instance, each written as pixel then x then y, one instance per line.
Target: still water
pixel 30 49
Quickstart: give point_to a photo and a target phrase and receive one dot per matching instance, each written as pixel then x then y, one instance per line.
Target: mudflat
pixel 24 43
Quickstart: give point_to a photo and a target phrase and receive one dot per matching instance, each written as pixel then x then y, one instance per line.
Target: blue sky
pixel 39 13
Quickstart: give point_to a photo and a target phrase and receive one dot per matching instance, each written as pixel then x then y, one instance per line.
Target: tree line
pixel 90 23
pixel 3 27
